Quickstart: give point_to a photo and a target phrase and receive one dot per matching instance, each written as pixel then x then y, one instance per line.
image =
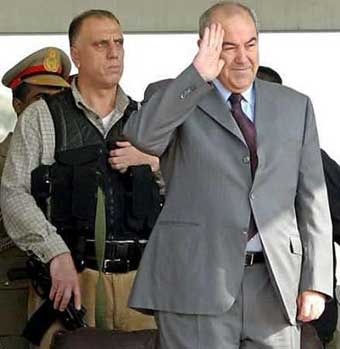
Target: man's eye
pixel 227 48
pixel 252 43
pixel 102 44
pixel 119 42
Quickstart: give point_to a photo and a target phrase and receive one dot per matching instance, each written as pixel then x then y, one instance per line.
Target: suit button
pixel 186 92
pixel 252 196
pixel 246 159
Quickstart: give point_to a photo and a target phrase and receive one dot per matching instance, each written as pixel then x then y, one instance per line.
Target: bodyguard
pixel 92 246
pixel 43 72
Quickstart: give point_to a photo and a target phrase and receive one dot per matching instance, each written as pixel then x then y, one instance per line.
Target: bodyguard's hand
pixel 207 61
pixel 64 282
pixel 311 305
pixel 127 155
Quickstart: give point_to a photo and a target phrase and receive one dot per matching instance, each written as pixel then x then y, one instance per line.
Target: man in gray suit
pixel 242 250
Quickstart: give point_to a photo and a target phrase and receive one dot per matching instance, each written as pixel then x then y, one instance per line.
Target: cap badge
pixel 52 60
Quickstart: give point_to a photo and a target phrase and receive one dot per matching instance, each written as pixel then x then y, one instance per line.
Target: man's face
pixel 34 93
pixel 239 51
pixel 98 52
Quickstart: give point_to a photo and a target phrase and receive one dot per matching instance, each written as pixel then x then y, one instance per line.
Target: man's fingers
pixel 65 298
pixel 119 166
pixel 120 159
pixel 57 298
pixel 317 310
pixel 77 298
pixel 205 39
pixel 220 38
pixel 207 61
pixel 221 64
pixel 64 281
pixel 310 306
pixel 115 152
pixel 212 36
pixel 52 292
pixel 114 160
pixel 117 163
pixel 123 144
pixel 62 298
pixel 216 36
pixel 121 151
pixel 305 310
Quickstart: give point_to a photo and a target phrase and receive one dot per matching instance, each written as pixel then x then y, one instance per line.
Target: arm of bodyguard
pixel 65 282
pixel 126 155
pixel 24 220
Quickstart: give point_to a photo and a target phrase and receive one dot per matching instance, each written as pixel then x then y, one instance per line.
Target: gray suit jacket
pixel 194 261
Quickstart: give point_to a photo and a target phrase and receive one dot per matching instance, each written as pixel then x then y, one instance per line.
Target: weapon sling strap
pixel 100 236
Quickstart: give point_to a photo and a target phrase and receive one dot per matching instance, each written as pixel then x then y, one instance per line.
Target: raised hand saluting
pixel 208 60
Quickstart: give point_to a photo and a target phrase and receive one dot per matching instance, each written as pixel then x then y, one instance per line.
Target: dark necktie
pixel 248 130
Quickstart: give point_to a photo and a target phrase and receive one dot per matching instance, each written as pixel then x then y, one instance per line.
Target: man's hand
pixel 311 305
pixel 127 155
pixel 64 282
pixel 207 61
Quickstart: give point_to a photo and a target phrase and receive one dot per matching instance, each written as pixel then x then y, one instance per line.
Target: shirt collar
pixel 122 99
pixel 248 95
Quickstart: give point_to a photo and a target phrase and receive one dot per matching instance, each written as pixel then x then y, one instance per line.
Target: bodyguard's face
pixel 98 52
pixel 34 93
pixel 239 51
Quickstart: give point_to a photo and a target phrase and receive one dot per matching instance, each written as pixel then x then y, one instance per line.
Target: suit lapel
pixel 214 106
pixel 267 127
pixel 266 111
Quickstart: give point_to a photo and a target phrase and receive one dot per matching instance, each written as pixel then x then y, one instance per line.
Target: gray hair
pixel 233 8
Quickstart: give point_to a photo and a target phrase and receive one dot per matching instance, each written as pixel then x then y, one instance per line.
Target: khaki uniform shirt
pixel 33 144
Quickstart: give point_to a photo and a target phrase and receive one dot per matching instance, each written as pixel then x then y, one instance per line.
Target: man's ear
pixel 75 56
pixel 18 105
pixel 199 42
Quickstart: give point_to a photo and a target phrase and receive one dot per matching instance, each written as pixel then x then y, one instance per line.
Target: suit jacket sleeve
pixel 313 214
pixel 332 177
pixel 152 128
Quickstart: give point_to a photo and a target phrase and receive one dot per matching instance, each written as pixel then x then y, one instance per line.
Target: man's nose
pixel 113 50
pixel 241 55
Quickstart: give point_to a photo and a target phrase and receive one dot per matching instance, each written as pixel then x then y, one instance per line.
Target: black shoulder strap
pixel 132 106
pixel 116 132
pixel 61 105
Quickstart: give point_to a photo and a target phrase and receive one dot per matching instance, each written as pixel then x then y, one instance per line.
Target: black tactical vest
pixel 132 199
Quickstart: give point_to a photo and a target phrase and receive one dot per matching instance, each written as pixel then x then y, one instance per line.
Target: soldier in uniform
pixel 76 136
pixel 29 80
